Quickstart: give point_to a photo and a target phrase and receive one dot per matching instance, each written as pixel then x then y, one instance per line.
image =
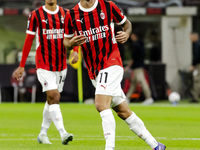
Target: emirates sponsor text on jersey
pixel 94 34
pixel 53 33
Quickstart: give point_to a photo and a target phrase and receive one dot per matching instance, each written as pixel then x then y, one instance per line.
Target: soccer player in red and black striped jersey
pixel 47 23
pixel 90 24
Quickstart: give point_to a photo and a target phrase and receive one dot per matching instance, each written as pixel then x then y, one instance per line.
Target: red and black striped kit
pixel 48 27
pixel 100 50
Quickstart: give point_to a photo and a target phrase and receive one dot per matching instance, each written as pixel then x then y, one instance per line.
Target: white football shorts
pixel 108 82
pixel 51 80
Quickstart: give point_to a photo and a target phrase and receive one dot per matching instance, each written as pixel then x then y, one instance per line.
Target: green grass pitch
pixel 177 127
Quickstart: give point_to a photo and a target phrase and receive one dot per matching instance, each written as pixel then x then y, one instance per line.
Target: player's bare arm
pixel 78 40
pixel 122 36
pixel 18 73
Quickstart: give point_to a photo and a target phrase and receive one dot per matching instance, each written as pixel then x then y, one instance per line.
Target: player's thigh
pixel 108 81
pixel 108 86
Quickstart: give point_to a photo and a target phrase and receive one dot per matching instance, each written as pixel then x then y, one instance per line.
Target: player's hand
pixel 74 57
pixel 122 37
pixel 77 40
pixel 18 73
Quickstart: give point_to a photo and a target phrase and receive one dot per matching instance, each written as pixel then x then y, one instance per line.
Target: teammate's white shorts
pixel 108 82
pixel 51 80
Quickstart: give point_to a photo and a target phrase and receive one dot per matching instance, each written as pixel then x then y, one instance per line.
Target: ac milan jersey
pixel 96 23
pixel 48 26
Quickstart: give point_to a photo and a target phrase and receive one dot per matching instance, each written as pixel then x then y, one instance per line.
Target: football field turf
pixel 177 127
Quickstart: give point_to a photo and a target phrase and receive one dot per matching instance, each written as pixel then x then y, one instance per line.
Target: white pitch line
pixel 190 139
pixel 90 138
pixel 6 134
pixel 28 135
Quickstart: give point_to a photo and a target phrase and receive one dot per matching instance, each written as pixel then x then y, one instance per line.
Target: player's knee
pixel 53 98
pixel 100 107
pixel 102 102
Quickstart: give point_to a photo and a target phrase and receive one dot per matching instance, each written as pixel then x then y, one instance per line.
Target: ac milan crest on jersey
pixel 102 15
pixel 62 19
pixel 49 30
pixel 100 50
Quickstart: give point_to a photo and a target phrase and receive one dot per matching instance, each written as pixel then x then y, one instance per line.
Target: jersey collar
pixel 88 9
pixel 51 12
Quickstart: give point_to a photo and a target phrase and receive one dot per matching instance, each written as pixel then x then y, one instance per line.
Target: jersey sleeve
pixel 31 24
pixel 117 14
pixel 69 29
pixel 26 49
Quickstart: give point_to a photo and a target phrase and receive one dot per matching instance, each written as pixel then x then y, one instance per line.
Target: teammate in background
pixel 92 21
pixel 195 68
pixel 136 64
pixel 47 23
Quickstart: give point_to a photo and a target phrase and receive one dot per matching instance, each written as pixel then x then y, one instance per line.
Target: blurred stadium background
pixel 165 26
